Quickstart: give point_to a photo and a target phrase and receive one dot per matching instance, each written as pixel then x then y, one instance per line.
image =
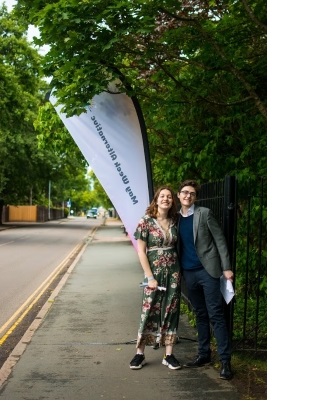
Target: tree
pixel 101 197
pixel 198 69
pixel 19 98
pixel 66 165
pixel 35 148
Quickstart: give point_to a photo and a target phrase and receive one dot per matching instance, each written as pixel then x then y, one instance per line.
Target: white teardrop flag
pixel 112 139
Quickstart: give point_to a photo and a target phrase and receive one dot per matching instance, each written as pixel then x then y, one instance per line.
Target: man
pixel 204 257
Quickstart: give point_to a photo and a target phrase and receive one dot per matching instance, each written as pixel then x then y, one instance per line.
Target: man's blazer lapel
pixel 196 222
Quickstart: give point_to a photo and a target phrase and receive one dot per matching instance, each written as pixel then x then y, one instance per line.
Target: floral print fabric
pixel 160 309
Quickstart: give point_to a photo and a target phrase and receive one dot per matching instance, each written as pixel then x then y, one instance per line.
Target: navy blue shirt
pixel 188 255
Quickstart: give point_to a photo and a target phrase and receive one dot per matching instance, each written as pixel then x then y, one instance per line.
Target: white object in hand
pixel 226 289
pixel 144 284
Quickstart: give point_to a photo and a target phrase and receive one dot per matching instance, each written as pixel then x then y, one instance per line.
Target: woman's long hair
pixel 152 209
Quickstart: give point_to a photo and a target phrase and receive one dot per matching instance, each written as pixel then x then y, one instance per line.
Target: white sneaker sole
pixel 170 366
pixel 138 367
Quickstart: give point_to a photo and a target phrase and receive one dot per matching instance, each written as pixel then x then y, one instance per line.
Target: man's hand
pixel 228 274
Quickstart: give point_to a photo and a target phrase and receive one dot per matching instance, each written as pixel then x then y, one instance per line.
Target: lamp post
pixel 49 193
pixel 49 190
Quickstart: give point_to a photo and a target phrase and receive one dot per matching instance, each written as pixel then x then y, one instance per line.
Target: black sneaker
pixel 171 361
pixel 137 362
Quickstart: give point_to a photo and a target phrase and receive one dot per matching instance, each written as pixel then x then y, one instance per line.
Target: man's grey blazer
pixel 210 242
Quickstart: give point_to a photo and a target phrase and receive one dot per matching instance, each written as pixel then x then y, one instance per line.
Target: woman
pixel 156 236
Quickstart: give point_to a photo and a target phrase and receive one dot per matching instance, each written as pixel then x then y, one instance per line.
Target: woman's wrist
pixel 150 278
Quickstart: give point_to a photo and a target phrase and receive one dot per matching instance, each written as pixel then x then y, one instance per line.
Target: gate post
pixel 229 229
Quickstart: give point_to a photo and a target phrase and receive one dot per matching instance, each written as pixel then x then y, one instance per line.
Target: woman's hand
pixel 152 284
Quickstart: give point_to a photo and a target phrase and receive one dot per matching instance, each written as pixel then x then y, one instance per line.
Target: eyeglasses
pixel 186 193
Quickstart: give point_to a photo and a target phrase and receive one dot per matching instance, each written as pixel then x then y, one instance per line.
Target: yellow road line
pixel 42 288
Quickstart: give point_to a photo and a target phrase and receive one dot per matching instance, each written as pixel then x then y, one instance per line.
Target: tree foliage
pixel 34 145
pixel 19 98
pixel 198 69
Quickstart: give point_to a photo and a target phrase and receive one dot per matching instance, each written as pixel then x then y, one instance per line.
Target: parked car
pixel 91 214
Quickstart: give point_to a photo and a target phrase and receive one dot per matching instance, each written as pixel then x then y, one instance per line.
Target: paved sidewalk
pixel 81 343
